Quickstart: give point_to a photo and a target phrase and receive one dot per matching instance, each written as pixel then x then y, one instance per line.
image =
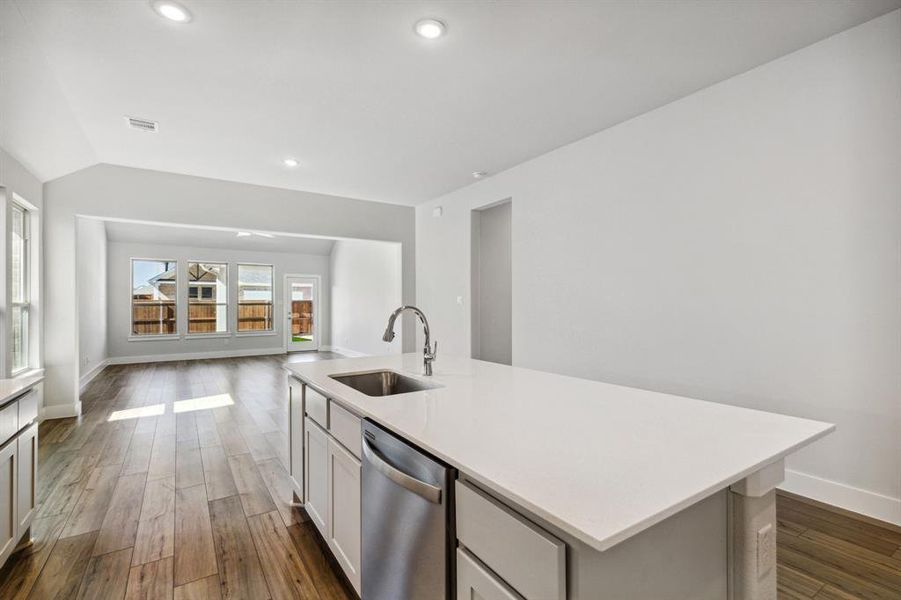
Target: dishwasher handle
pixel 430 492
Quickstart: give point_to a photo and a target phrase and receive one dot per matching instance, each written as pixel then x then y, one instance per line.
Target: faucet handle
pixel 435 350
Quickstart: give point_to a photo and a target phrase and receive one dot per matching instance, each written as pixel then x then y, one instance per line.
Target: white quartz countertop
pixel 602 462
pixel 10 388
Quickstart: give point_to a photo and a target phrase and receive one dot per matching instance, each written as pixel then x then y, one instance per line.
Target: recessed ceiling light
pixel 479 174
pixel 265 235
pixel 430 29
pixel 171 10
pixel 243 234
pixel 290 162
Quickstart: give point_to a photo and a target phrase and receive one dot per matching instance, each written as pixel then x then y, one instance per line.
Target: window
pixel 154 289
pixel 254 298
pixel 207 297
pixel 19 287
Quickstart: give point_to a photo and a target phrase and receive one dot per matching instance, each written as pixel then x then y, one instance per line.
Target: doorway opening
pixel 302 307
pixel 492 283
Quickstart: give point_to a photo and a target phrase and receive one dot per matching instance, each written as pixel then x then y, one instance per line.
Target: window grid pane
pixel 207 297
pixel 19 314
pixel 19 288
pixel 255 298
pixel 18 266
pixel 153 297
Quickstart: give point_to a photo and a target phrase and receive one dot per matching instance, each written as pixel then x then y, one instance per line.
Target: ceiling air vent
pixel 143 124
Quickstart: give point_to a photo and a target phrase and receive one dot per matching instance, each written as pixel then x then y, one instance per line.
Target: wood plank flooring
pixel 829 554
pixel 173 484
pixel 141 501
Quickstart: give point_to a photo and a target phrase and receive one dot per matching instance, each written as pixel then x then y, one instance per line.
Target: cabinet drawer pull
pixel 430 492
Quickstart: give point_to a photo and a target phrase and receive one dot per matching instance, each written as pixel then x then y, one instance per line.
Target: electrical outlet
pixel 766 549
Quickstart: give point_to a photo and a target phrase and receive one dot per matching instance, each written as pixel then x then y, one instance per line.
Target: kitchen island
pixel 20 399
pixel 646 495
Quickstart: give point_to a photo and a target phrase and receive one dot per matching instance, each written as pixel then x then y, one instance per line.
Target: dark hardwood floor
pixel 830 554
pixel 174 484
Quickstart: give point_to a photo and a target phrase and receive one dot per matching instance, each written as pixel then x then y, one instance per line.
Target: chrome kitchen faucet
pixel 429 353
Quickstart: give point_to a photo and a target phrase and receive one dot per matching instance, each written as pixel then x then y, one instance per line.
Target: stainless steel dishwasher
pixel 408 521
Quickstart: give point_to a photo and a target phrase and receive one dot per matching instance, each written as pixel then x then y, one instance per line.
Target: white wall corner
pixel 90 375
pixel 60 411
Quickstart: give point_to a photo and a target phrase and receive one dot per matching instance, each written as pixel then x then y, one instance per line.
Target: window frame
pixel 199 298
pixel 251 332
pixel 25 304
pixel 137 337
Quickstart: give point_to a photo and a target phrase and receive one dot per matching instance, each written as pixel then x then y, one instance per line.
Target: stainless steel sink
pixel 383 383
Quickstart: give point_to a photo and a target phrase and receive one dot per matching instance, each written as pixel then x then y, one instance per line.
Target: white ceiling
pixel 169 235
pixel 371 110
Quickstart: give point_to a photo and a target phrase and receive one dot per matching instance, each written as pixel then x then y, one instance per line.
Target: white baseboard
pixel 60 411
pixel 131 360
pixel 871 504
pixel 90 375
pixel 346 352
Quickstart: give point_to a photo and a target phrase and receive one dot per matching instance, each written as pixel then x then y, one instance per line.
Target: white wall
pixel 91 280
pixel 136 194
pixel 16 180
pixel 366 288
pixel 123 350
pixel 738 245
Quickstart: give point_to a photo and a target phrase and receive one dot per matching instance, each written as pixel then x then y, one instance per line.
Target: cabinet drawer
pixel 345 427
pixel 475 581
pixel 28 407
pixel 9 421
pixel 316 406
pixel 528 558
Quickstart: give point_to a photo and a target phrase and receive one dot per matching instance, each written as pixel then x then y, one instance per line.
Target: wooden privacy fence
pixel 202 317
pixel 301 317
pixel 254 316
pixel 152 317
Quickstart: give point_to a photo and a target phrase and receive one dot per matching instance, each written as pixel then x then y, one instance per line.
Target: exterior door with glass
pixel 302 306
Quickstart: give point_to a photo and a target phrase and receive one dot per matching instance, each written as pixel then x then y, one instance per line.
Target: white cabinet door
pixel 295 416
pixel 345 532
pixel 316 486
pixel 9 529
pixel 475 581
pixel 27 466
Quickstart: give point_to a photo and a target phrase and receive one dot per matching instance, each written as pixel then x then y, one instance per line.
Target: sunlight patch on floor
pixel 202 403
pixel 179 406
pixel 151 410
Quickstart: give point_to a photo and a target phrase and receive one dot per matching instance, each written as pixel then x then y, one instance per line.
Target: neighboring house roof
pixel 203 274
pixel 166 276
pixel 253 278
pixel 144 290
